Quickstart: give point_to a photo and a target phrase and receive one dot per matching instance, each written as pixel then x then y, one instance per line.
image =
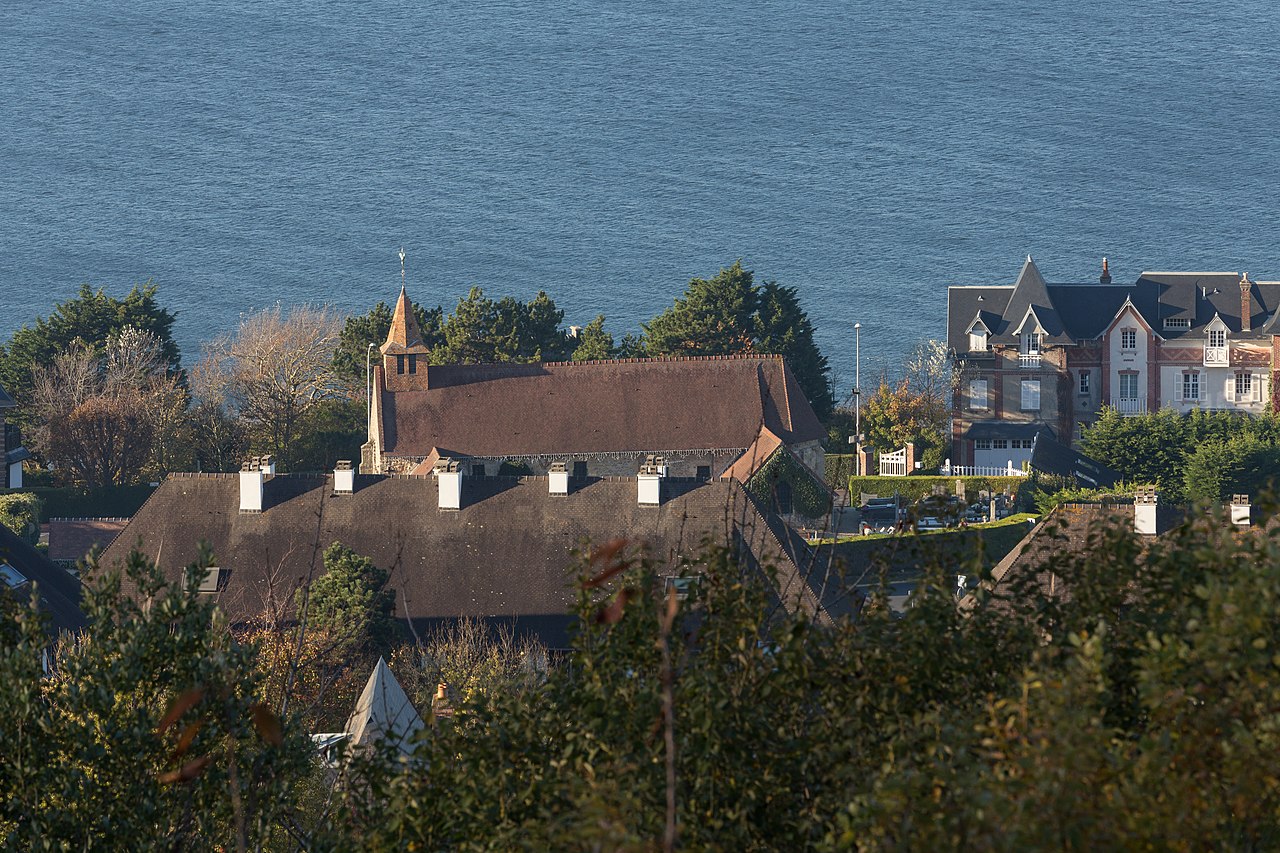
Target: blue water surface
pixel 870 154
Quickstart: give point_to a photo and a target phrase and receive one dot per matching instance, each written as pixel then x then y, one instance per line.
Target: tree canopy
pixel 93 317
pixel 729 314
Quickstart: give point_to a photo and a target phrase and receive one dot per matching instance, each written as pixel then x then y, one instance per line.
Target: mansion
pixel 1043 356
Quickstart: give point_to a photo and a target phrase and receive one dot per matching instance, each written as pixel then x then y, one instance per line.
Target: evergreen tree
pixel 594 343
pixel 350 602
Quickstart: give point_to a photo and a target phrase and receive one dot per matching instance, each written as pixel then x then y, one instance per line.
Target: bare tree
pixel 272 370
pixel 104 418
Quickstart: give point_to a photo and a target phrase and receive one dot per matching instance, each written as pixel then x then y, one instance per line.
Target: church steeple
pixel 405 334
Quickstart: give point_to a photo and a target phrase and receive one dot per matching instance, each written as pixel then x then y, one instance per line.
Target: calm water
pixel 870 154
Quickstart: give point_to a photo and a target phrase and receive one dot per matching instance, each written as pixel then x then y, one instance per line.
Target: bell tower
pixel 404 355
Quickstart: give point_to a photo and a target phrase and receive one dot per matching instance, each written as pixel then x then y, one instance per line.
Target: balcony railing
pixel 1216 356
pixel 1129 405
pixel 1029 360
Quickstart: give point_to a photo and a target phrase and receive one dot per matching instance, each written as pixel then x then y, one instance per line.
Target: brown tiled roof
pixel 71 538
pixel 627 405
pixel 505 555
pixel 404 336
pixel 754 457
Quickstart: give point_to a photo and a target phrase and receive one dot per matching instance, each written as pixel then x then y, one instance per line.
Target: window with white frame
pixel 982 444
pixel 978 395
pixel 1246 388
pixel 1031 342
pixel 1217 337
pixel 1128 386
pixel 999 444
pixel 1191 385
pixel 1084 382
pixel 977 340
pixel 1031 395
pixel 1128 339
pixel 1177 323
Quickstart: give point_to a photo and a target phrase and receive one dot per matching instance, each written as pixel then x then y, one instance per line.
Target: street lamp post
pixel 857 394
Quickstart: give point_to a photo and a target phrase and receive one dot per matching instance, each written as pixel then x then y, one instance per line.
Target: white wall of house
pixel 15 475
pixel 997 453
pixel 1129 394
pixel 1218 387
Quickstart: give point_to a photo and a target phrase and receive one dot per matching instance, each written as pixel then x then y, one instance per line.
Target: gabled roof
pixel 622 406
pixel 1030 297
pixel 505 556
pixel 383 712
pixel 59 591
pixel 1086 311
pixel 71 538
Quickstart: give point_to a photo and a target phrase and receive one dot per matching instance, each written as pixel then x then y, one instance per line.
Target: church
pixel 708 417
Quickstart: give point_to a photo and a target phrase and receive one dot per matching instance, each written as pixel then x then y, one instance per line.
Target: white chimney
pixel 449 475
pixel 1240 510
pixel 649 481
pixel 344 478
pixel 558 479
pixel 1144 510
pixel 251 480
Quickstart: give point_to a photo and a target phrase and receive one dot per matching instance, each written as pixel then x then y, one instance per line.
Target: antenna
pixel 402 266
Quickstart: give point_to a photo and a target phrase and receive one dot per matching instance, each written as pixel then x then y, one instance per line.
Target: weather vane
pixel 402 266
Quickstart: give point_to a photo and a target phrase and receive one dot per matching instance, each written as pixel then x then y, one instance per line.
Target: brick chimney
pixel 558 479
pixel 911 456
pixel 1145 501
pixel 649 481
pixel 449 474
pixel 1105 278
pixel 251 479
pixel 1240 516
pixel 344 478
pixel 1246 309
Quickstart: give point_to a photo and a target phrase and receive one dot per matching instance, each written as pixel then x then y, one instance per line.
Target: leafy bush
pixel 914 488
pixel 20 512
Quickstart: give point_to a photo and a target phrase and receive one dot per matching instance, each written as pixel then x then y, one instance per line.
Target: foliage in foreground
pixel 1140 712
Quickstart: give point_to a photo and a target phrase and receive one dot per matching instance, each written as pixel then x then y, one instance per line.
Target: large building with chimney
pixel 478 483
pixel 1041 356
pixel 703 415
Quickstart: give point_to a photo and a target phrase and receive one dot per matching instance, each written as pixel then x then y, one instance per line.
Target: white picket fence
pixel 949 470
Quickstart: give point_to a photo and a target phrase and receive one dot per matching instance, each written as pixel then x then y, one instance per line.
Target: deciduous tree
pixel 272 370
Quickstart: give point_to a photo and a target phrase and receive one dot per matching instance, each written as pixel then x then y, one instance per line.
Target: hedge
pixel 69 502
pixel 914 488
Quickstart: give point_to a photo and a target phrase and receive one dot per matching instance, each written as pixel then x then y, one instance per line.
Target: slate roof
pixel 71 538
pixel 383 710
pixel 504 556
pixel 59 591
pixel 626 405
pixel 6 402
pixel 1077 312
pixel 1053 457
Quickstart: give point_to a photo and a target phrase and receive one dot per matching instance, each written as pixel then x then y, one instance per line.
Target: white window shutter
pixel 1255 387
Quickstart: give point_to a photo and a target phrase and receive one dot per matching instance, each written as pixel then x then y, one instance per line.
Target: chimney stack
pixel 649 480
pixel 1246 308
pixel 558 479
pixel 1105 278
pixel 449 474
pixel 251 480
pixel 344 478
pixel 1144 511
pixel 1240 510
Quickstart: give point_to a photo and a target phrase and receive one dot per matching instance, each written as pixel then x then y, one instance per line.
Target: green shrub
pixel 914 488
pixel 20 512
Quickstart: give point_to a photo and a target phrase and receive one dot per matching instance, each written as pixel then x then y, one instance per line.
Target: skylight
pixel 11 577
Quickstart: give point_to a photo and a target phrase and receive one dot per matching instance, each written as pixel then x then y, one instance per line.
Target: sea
pixel 242 154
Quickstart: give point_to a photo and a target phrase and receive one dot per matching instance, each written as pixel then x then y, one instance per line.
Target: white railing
pixel 949 470
pixel 1216 356
pixel 894 464
pixel 1029 360
pixel 1130 405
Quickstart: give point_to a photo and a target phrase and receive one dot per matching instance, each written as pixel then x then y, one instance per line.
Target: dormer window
pixel 1031 342
pixel 1217 337
pixel 977 340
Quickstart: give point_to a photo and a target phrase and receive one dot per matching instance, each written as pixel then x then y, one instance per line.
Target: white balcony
pixel 1029 360
pixel 1129 405
pixel 1216 356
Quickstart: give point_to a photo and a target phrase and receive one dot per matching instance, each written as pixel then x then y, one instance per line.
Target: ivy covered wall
pixel 782 481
